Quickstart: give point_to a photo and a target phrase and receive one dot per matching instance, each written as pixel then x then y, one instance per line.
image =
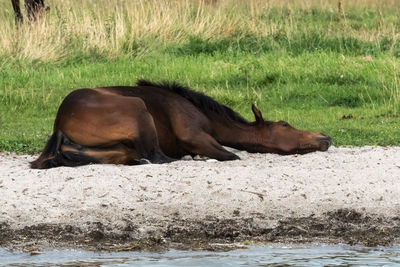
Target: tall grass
pixel 113 28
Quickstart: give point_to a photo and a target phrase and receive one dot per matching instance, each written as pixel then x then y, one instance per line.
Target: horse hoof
pixel 187 158
pixel 199 157
pixel 144 161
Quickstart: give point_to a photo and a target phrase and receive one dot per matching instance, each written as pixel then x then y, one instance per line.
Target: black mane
pixel 202 101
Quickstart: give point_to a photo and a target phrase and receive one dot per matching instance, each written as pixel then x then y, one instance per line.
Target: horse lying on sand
pixel 160 123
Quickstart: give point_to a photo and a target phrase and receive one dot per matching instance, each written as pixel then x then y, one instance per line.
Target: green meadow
pixel 300 61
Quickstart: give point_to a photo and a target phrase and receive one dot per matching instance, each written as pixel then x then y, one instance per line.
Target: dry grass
pixel 115 27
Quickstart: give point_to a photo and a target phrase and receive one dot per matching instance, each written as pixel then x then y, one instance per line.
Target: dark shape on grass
pixel 347 117
pixel 160 123
pixel 33 9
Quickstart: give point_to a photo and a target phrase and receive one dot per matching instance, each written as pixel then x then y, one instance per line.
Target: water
pixel 321 255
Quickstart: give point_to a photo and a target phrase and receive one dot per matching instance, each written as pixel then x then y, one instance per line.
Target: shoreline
pixel 346 195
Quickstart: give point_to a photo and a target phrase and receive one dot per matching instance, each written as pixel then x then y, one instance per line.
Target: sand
pixel 347 195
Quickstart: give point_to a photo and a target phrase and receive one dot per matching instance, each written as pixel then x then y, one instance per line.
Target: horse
pixel 33 8
pixel 159 123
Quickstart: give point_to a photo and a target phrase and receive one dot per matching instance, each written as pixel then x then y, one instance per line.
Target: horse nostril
pixel 325 142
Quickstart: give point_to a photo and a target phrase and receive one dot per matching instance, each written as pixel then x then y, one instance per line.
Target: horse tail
pixel 48 155
pixel 52 156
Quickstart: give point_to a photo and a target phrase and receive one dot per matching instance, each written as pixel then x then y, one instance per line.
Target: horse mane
pixel 200 100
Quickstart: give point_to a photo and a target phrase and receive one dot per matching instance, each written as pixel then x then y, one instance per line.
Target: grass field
pixel 300 61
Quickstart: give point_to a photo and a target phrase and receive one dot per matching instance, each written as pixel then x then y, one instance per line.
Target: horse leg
pixel 146 143
pixel 54 156
pixel 125 141
pixel 17 11
pixel 33 8
pixel 129 128
pixel 126 152
pixel 116 154
pixel 205 145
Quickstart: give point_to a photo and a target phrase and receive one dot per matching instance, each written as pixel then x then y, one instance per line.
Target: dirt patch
pixel 340 226
pixel 349 195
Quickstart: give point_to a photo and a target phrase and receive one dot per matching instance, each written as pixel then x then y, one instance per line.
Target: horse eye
pixel 285 124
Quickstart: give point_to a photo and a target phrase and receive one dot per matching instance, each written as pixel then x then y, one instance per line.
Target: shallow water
pixel 316 255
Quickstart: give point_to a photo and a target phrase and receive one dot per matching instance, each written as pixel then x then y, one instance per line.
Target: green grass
pixel 340 77
pixel 308 90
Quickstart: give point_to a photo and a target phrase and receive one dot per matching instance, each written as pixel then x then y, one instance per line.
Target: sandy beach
pixel 349 195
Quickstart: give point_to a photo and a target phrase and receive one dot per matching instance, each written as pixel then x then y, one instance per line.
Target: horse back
pixel 169 108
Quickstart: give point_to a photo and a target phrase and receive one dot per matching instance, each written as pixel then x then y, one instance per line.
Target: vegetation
pixel 300 61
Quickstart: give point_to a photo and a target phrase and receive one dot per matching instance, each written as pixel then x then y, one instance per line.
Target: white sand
pixel 365 179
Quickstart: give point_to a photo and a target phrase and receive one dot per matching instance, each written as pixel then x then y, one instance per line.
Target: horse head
pixel 280 137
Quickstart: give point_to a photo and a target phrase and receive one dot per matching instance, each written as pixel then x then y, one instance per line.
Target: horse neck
pixel 235 134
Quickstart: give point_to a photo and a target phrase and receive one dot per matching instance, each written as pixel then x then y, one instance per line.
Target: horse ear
pixel 257 114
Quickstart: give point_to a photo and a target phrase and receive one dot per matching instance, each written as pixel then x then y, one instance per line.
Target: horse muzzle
pixel 324 142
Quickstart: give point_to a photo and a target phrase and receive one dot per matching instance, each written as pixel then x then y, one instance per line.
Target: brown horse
pixel 33 8
pixel 160 123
